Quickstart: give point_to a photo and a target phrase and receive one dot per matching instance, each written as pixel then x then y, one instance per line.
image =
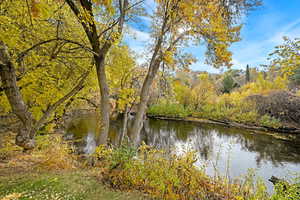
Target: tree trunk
pixel 26 133
pixel 90 29
pixel 25 136
pixel 104 104
pixel 144 97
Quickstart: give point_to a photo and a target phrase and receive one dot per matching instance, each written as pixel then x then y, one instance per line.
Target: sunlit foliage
pixel 48 60
pixel 286 58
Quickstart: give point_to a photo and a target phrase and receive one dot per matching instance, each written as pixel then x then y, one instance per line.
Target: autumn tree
pixel 247 78
pixel 285 60
pixel 176 22
pixel 123 80
pixel 203 93
pixel 228 84
pixel 41 67
pixel 103 22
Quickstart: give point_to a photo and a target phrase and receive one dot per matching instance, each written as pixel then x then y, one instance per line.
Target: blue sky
pixel 263 30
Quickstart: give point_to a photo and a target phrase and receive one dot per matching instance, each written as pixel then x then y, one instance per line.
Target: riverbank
pixel 292 131
pixel 53 171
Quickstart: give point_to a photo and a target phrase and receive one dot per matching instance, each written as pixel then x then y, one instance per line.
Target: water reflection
pixel 216 146
pixel 203 138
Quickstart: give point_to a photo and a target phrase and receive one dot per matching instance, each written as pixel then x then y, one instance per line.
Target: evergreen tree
pixel 247 74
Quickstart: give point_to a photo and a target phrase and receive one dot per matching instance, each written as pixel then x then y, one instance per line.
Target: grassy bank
pixel 65 185
pixel 244 116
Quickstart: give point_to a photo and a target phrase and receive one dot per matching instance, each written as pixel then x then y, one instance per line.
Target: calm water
pixel 223 150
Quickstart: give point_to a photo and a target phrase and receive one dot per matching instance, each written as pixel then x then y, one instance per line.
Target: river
pixel 221 150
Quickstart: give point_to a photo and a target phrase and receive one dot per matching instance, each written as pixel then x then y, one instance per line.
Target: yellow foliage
pixel 121 72
pixel 47 72
pixel 264 86
pixel 52 153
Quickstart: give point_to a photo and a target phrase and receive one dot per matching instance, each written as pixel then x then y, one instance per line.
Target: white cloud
pixel 291 30
pixel 255 52
pixel 139 35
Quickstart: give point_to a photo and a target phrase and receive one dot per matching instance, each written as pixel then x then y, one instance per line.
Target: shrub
pixel 168 110
pixel 287 191
pixel 230 107
pixel 268 121
pixel 166 176
pixel 52 153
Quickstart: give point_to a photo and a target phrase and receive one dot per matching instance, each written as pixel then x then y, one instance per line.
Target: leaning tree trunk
pixel 141 110
pixel 25 136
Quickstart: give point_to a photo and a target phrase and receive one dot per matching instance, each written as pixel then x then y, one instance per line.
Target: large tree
pixel 178 23
pixel 103 23
pixel 40 66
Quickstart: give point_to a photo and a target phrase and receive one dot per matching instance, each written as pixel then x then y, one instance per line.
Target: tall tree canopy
pixel 44 62
pixel 178 23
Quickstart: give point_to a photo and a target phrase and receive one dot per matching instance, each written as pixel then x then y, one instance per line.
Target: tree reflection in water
pixel 269 155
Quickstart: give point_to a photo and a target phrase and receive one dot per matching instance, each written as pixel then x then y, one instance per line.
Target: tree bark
pixel 142 106
pixel 154 65
pixel 25 136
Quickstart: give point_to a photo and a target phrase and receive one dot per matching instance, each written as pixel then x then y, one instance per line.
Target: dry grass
pixel 51 153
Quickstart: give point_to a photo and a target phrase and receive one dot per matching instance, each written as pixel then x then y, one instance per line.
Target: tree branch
pixel 54 106
pixel 24 53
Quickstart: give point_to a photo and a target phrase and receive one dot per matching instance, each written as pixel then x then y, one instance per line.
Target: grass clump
pixel 8 148
pixel 53 154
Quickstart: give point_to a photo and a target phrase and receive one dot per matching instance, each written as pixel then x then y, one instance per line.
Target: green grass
pixel 66 186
